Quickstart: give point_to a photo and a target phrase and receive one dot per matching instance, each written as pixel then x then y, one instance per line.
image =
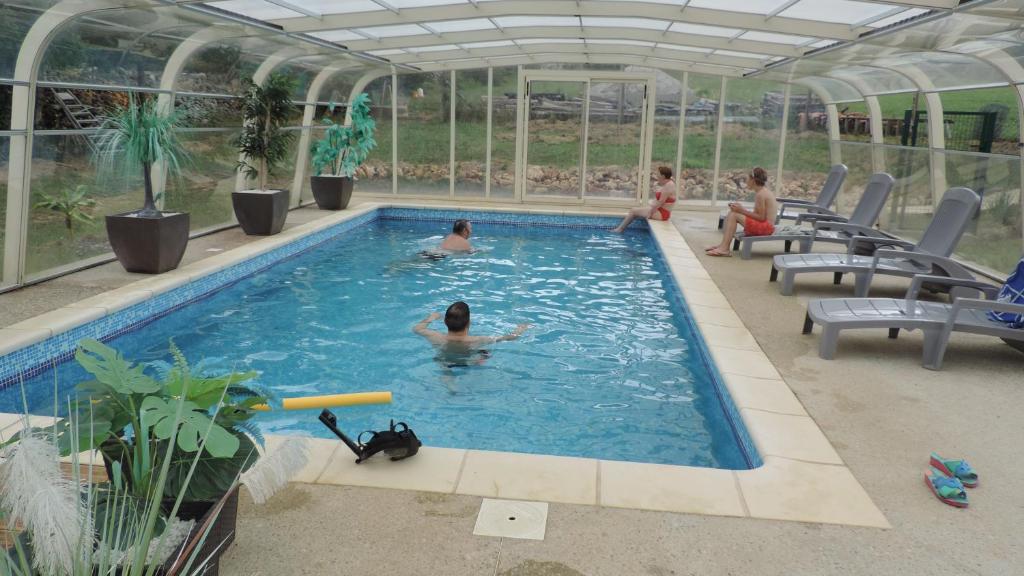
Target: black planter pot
pixel 331 192
pixel 222 530
pixel 260 212
pixel 150 245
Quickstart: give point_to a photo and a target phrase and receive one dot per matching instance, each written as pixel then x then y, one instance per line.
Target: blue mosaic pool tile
pixel 34 359
pixel 732 413
pixel 505 218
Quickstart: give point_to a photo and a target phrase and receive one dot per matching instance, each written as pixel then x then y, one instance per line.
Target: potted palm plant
pixel 340 153
pixel 263 144
pixel 133 137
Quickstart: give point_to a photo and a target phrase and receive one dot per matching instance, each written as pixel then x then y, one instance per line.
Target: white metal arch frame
pixel 26 72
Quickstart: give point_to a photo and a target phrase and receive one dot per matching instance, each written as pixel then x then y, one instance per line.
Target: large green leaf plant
pixel 135 420
pixel 344 148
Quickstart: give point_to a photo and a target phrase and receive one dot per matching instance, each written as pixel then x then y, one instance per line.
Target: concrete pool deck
pixel 880 411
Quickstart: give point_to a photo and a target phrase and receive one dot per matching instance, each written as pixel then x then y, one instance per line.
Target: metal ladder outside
pixel 80 115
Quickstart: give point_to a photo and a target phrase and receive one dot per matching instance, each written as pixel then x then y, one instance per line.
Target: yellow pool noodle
pixel 330 401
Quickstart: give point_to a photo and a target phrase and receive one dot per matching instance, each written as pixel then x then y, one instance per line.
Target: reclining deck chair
pixel 928 256
pixel 936 319
pixel 820 205
pixel 864 216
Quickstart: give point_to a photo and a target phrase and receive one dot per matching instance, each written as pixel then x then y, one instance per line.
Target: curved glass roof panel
pixel 838 11
pixel 831 89
pixel 17 19
pixel 125 47
pixel 873 81
pixel 945 71
pixel 739 36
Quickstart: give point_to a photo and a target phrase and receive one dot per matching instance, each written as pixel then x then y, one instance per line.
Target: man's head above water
pixel 456 318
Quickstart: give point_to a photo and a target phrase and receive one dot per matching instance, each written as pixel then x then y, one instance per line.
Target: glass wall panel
pixel 854 122
pixel 17 18
pixel 503 131
pixel 63 163
pixel 315 133
pixel 218 68
pixel 74 108
pixel 807 158
pixel 375 174
pixel 994 239
pixel 339 86
pixel 554 134
pixel 614 134
pixel 982 120
pixel 5 149
pixel 911 203
pixel 284 174
pixel 857 157
pixel 894 109
pixel 203 112
pixel 666 123
pixel 302 75
pixel 751 135
pixel 204 187
pixel 703 95
pixel 126 47
pixel 6 94
pixel 424 133
pixel 470 132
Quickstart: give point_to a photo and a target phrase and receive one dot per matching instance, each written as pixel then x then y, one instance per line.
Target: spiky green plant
pixel 70 203
pixel 139 136
pixel 263 142
pixel 344 148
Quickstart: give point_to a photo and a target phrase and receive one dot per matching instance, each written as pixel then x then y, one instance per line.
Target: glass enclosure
pixel 454 121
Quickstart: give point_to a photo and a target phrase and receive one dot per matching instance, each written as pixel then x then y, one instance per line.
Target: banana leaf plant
pixel 344 148
pixel 135 420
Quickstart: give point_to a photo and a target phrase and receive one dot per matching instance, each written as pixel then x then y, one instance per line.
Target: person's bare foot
pixel 710 248
pixel 617 230
pixel 716 251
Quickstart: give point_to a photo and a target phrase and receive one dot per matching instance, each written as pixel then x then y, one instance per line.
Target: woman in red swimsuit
pixel 756 222
pixel 661 206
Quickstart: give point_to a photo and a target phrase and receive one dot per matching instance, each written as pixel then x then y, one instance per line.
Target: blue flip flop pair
pixel 948 478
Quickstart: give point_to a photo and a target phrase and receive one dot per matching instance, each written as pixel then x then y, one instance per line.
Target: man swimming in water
pixel 458 240
pixel 457 347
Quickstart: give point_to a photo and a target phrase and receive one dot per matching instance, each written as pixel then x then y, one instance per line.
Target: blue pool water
pixel 611 367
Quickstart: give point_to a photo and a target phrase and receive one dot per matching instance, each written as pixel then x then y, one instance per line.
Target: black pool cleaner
pixel 400 442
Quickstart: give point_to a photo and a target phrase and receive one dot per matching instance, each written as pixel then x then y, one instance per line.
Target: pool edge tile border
pixel 826 484
pixel 830 480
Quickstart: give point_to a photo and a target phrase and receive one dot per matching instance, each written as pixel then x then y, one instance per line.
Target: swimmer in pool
pixel 457 347
pixel 457 241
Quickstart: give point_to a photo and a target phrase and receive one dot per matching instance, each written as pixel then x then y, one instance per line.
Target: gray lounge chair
pixel 788 207
pixel 936 319
pixel 864 216
pixel 929 256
